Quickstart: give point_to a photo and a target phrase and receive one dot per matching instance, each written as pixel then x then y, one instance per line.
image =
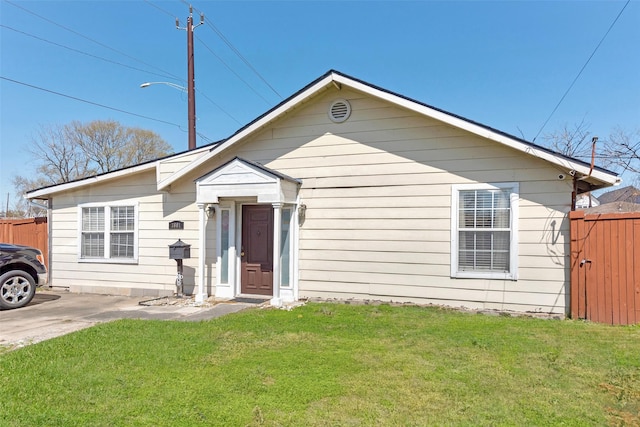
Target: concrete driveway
pixel 51 314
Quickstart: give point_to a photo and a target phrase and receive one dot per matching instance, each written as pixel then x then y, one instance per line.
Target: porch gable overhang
pixel 243 178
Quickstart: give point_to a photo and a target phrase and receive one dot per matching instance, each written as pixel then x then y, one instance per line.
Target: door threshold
pixel 252 299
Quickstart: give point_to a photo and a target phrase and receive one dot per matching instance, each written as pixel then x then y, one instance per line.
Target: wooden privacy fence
pixel 29 231
pixel 605 267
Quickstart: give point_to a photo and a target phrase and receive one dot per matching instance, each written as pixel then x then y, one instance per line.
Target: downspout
pixel 574 193
pixel 593 154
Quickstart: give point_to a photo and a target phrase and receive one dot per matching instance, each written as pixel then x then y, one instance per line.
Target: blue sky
pixel 504 64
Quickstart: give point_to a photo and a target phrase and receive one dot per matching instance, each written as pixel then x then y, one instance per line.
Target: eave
pixel 595 178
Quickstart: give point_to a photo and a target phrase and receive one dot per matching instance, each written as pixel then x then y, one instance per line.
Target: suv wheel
pixel 17 289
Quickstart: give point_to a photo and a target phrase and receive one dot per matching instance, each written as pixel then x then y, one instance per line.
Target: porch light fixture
pixel 211 211
pixel 302 211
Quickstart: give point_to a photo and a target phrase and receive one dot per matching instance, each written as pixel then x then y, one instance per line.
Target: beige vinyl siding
pixel 154 273
pixel 378 194
pixel 378 188
pixel 173 164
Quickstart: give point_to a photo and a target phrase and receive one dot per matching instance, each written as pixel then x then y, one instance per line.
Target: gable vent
pixel 340 110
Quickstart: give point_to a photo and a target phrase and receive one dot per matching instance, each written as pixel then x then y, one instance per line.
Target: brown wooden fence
pixel 29 231
pixel 605 267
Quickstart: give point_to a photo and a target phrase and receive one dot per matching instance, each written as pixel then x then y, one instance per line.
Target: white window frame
pixel 231 259
pixel 289 271
pixel 107 233
pixel 512 274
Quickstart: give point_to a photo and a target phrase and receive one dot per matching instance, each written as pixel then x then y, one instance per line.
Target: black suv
pixel 21 270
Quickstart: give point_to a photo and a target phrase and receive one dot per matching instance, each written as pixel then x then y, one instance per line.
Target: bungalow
pixel 343 190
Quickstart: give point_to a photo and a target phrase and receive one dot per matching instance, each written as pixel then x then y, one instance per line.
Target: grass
pixel 325 364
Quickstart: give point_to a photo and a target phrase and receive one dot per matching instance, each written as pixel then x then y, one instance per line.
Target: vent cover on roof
pixel 339 110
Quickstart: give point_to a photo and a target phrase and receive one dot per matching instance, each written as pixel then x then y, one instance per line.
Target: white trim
pixel 239 178
pixel 329 80
pixel 567 165
pixel 201 296
pixel 276 300
pixel 479 130
pixel 237 284
pixel 36 194
pixel 254 127
pixel 290 293
pixel 226 290
pixel 107 232
pixel 513 244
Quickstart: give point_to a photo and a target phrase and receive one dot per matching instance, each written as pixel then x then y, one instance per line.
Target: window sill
pixel 479 275
pixel 108 260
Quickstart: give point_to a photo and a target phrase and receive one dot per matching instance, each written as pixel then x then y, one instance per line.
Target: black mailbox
pixel 179 250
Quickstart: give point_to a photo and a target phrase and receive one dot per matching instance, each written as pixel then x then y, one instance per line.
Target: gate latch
pixel 585 261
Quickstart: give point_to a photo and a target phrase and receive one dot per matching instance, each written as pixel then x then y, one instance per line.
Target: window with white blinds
pixel 484 231
pixel 108 233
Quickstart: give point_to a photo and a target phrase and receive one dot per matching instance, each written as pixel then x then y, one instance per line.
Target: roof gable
pixel 595 177
pixel 243 178
pixel 242 171
pixel 625 194
pixel 588 178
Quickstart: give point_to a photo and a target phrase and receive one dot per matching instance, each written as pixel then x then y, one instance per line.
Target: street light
pixel 173 85
pixel 191 108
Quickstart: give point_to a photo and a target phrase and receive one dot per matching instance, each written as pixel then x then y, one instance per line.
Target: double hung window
pixel 108 233
pixel 484 231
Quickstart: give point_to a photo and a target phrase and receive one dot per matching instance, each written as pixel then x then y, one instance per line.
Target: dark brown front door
pixel 257 250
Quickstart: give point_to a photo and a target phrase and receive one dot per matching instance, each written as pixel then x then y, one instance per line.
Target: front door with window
pixel 257 250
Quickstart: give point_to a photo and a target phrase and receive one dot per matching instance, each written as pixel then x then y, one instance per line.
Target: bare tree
pixel 573 141
pixel 623 150
pixel 144 145
pixel 65 153
pixel 22 208
pixel 58 157
pixel 620 151
pixel 111 146
pixel 100 141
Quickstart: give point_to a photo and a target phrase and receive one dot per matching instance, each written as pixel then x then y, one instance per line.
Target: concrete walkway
pixel 52 314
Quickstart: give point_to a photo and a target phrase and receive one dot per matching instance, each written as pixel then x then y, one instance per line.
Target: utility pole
pixel 191 83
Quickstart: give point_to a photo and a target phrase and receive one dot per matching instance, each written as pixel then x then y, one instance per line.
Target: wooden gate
pixel 605 267
pixel 29 231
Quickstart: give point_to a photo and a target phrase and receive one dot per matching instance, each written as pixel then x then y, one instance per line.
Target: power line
pixel 159 8
pixel 230 69
pixel 83 53
pixel 173 76
pixel 219 107
pixel 582 69
pixel 237 52
pixel 120 64
pixel 197 90
pixel 90 102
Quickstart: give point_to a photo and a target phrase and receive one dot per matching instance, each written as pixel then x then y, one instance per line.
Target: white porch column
pixel 277 233
pixel 201 296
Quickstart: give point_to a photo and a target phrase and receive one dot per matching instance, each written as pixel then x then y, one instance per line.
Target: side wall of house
pixel 154 274
pixel 378 194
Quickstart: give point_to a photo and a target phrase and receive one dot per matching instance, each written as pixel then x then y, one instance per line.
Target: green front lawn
pixel 328 365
